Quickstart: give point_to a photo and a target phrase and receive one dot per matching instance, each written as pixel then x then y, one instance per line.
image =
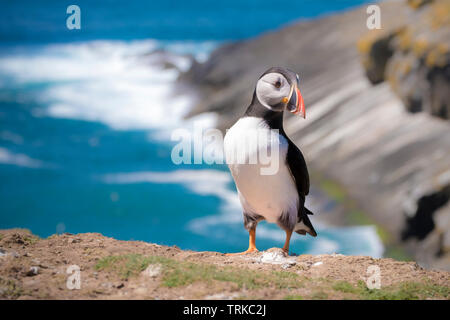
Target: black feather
pixel 297 165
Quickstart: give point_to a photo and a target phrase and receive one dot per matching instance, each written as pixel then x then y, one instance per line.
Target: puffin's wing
pixel 297 166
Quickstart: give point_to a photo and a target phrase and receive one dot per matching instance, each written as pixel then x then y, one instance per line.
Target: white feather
pixel 266 91
pixel 265 195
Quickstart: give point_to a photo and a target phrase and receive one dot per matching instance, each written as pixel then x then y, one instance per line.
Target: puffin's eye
pixel 277 84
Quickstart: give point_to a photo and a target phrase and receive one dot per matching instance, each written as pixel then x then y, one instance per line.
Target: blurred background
pixel 86 118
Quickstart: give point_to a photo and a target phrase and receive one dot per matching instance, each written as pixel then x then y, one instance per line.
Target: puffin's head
pixel 277 89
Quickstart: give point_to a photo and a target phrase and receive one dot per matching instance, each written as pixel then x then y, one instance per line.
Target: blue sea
pixel 86 118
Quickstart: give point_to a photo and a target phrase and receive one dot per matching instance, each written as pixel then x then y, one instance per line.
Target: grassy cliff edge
pixel 35 268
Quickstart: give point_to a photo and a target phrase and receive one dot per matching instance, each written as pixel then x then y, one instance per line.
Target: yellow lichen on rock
pixel 420 46
pixel 439 14
pixel 437 56
pixel 415 4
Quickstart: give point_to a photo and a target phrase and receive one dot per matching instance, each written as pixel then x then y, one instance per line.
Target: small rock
pixel 317 264
pixel 272 257
pixel 120 286
pixel 337 255
pixel 74 240
pixel 14 254
pixel 107 285
pixel 2 253
pixel 33 271
pixel 277 257
pixel 288 264
pixel 304 265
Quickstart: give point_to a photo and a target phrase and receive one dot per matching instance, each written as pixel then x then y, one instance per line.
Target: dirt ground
pixel 35 268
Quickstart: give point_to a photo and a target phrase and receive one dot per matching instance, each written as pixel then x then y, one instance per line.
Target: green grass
pixel 346 287
pixel 125 266
pixel 401 291
pixel 30 239
pixel 176 273
pixel 9 289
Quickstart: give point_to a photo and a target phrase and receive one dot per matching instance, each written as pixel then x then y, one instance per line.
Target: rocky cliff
pixel 414 58
pixel 360 129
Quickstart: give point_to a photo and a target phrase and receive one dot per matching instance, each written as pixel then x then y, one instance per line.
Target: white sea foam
pixel 18 159
pixel 122 84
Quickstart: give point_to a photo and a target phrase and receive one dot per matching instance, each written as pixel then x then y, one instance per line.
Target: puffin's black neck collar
pixel 273 118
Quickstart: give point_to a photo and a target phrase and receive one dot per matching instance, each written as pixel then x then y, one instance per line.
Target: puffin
pixel 277 197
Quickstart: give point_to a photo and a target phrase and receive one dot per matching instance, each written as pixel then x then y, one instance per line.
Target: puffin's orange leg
pixel 288 239
pixel 251 244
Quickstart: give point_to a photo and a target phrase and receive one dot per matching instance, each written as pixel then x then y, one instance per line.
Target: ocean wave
pixel 204 182
pixel 126 85
pixel 18 159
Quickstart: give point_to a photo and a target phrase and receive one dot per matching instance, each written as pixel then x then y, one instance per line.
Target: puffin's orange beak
pixel 296 103
pixel 300 104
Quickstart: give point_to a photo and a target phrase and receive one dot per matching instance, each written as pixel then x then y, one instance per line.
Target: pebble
pixel 14 254
pixel 33 271
pixel 277 257
pixel 288 264
pixel 107 285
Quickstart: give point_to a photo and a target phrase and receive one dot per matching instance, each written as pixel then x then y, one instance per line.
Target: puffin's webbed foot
pixel 251 244
pixel 249 250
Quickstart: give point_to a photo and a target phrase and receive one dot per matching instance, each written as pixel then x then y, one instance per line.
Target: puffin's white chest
pixel 268 195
